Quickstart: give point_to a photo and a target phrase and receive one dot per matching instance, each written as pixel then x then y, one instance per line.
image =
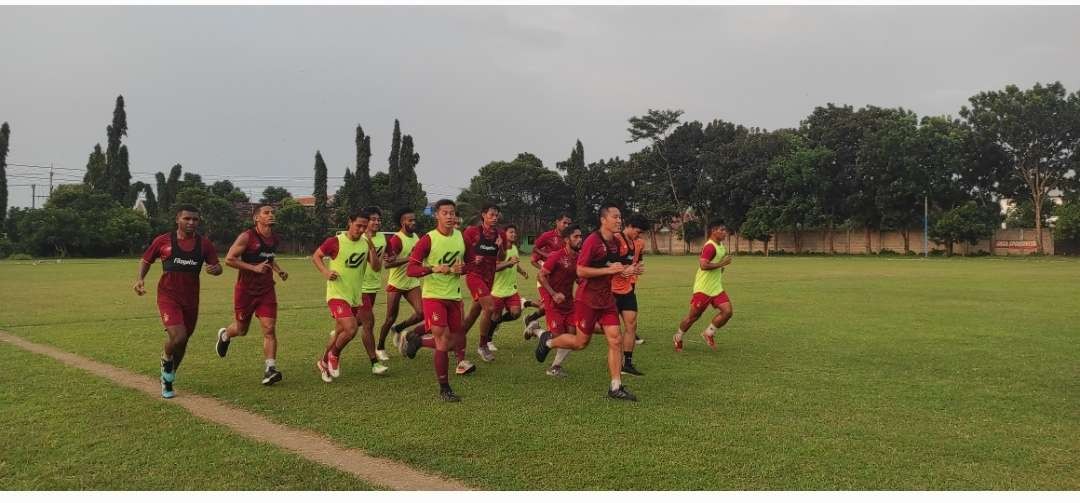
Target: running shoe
pixel 333 363
pixel 557 371
pixel 621 394
pixel 271 376
pixel 222 345
pixel 628 368
pixel 465 367
pixel 382 355
pixel 542 348
pixel 324 371
pixel 379 369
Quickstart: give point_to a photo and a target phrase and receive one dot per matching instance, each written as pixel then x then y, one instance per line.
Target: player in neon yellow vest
pixel 373 278
pixel 505 291
pixel 349 254
pixel 399 284
pixel 439 258
pixel 709 287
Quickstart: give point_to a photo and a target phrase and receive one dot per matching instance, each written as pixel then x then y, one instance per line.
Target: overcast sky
pixel 245 92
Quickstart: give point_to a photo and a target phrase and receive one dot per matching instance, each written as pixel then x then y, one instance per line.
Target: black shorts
pixel 626 302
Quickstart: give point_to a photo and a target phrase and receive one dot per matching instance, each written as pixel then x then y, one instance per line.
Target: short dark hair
pixel 569 230
pixel 354 214
pixel 487 206
pixel 638 221
pixel 511 226
pixel 443 202
pixel 607 206
pixel 258 208
pixel 400 213
pixel 562 215
pixel 373 210
pixel 187 207
pixel 716 223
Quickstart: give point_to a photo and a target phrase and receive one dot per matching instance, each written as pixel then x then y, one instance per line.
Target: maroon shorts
pixel 178 313
pixel 341 309
pixel 587 317
pixel 558 321
pixel 701 301
pixel 367 300
pixel 477 286
pixel 443 313
pixel 393 289
pixel 513 301
pixel 245 304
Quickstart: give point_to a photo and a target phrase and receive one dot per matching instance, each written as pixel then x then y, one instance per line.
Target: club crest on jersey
pixel 355 260
pixel 449 257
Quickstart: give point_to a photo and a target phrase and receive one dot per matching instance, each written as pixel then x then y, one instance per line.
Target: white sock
pixel 710 330
pixel 271 363
pixel 537 332
pixel 616 384
pixel 560 356
pixel 678 334
pixel 225 335
pixel 548 342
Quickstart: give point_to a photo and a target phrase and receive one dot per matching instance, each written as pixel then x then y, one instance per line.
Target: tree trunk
pixel 869 246
pixel 767 247
pixel 948 249
pixel 653 241
pixel 751 241
pixel 906 234
pixel 798 240
pixel 832 246
pixel 1037 197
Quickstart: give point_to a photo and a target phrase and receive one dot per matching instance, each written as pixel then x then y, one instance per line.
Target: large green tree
pixel 967 223
pixel 5 138
pixel 322 215
pixel 395 162
pixel 97 167
pixel 412 193
pixel 274 195
pixel 1037 129
pixel 578 180
pixel 363 168
pixel 117 172
pixel 529 194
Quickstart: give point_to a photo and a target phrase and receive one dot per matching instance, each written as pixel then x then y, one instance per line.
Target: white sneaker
pixel 399 340
pixel 379 369
pixel 382 355
pixel 485 354
pixel 491 347
pixel 465 367
pixel 324 371
pixel 531 328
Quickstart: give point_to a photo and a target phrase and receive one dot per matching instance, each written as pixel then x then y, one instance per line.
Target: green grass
pixel 835 373
pixel 65 429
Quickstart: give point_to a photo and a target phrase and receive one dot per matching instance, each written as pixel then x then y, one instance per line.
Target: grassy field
pixel 835 373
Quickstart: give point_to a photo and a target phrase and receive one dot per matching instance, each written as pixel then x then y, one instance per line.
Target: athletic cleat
pixel 382 355
pixel 412 345
pixel 379 369
pixel 638 341
pixel 324 371
pixel 166 389
pixel 396 337
pixel 710 340
pixel 167 371
pixel 333 363
pixel 556 371
pixel 491 347
pixel 448 396
pixel 465 367
pixel 485 353
pixel 628 368
pixel 222 344
pixel 531 328
pixel 621 394
pixel 271 376
pixel 542 348
pixel 678 343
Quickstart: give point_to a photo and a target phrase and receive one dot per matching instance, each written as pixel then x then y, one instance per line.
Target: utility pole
pixel 926 227
pixel 33 196
pixel 50 178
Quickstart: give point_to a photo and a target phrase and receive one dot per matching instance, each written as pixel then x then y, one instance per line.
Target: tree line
pixel 841 168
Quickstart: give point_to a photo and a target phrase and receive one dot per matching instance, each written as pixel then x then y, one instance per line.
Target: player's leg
pixel 268 322
pixel 344 331
pixel 697 307
pixel 393 300
pixel 629 322
pixel 723 305
pixel 365 319
pixel 176 337
pixel 614 359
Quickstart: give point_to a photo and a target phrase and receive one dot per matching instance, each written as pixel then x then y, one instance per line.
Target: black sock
pixel 443 386
pixel 506 317
pixel 167 365
pixel 373 360
pixel 532 317
pixel 399 327
pixel 628 357
pixel 529 303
